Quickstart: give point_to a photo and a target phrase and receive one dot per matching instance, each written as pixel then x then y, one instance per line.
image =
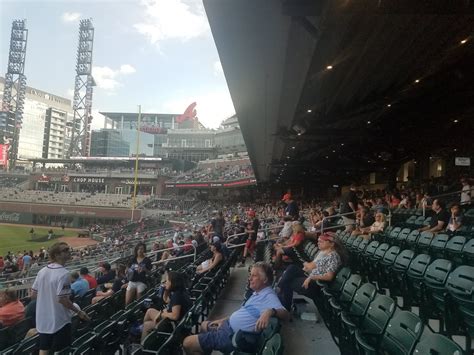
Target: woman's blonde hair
pixel 382 215
pixel 297 227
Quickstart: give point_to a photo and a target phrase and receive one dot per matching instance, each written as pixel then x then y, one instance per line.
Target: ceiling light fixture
pixel 327 157
pixel 329 67
pixel 389 105
pixel 368 122
pixel 464 41
pixel 293 147
pixel 417 81
pixel 334 151
pixel 309 111
pixel 455 121
pixel 342 144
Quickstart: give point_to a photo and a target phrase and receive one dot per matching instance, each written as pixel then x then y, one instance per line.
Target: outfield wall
pixel 77 216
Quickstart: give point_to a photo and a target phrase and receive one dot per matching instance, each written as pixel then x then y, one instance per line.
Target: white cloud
pixel 70 93
pixel 173 19
pixel 212 107
pixel 127 69
pixel 108 79
pixel 97 120
pixel 218 71
pixel 70 16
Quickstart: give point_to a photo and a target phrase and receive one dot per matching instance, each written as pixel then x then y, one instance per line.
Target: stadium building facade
pixel 163 135
pixel 47 122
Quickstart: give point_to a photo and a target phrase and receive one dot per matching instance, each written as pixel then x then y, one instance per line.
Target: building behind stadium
pixel 46 126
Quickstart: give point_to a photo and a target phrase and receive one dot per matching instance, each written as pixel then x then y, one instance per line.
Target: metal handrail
pixel 335 215
pixel 233 236
pixel 173 248
pixel 444 195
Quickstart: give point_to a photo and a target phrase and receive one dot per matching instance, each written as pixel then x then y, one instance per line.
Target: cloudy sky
pixel 157 53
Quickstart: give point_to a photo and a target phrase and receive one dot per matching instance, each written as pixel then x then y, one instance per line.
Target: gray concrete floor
pixel 299 337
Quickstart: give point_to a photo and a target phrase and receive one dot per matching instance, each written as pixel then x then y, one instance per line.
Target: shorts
pixel 56 341
pixel 139 286
pixel 250 244
pixel 217 339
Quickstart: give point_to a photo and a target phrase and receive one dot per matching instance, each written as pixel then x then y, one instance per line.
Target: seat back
pixel 419 221
pixel 413 237
pixel 350 288
pixel 341 278
pixel 430 344
pixel 411 220
pixel 394 233
pixel 454 248
pixel 468 252
pixel 437 273
pixel 403 260
pixel 460 283
pixel 371 248
pixel 402 333
pixel 362 298
pixel 424 241
pixel 362 246
pixel 381 250
pixel 418 266
pixel 391 254
pixel 402 236
pixel 378 315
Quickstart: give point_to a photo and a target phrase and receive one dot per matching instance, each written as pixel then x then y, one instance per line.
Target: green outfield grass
pixel 17 238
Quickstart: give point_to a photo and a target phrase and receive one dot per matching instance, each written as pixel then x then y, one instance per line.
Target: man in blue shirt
pixel 79 286
pixel 253 316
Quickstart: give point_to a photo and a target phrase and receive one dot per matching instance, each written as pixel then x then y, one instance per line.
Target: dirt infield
pixel 75 242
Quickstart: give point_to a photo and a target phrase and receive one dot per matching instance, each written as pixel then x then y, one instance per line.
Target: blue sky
pixel 157 53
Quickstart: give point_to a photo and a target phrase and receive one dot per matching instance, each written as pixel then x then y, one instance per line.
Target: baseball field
pixel 17 238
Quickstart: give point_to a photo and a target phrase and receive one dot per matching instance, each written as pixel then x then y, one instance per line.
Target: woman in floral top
pixel 324 268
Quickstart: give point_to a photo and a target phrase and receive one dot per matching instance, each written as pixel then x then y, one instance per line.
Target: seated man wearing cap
pixel 253 316
pixel 330 258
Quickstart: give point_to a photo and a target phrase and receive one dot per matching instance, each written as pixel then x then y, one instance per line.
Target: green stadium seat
pixel 402 333
pixel 398 271
pixel 438 246
pixel 402 237
pixel 468 252
pixel 385 265
pixel 84 345
pixel 273 346
pixel 424 242
pixel 375 259
pixel 420 221
pixel 411 220
pixel 369 333
pixel 351 318
pixel 412 289
pixel 454 248
pixel 412 239
pixel 434 344
pixel 460 285
pixel 393 235
pixel 367 257
pixel 434 300
pixel 332 289
pixel 341 303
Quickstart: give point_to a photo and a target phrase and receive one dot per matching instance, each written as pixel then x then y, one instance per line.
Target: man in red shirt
pixel 84 272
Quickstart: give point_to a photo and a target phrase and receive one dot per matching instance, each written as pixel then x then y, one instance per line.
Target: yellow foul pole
pixel 137 151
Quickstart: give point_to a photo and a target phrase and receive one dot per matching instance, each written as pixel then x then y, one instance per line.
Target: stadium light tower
pixel 80 129
pixel 14 91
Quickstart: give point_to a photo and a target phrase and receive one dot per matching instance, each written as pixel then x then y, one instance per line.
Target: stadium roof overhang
pixel 332 90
